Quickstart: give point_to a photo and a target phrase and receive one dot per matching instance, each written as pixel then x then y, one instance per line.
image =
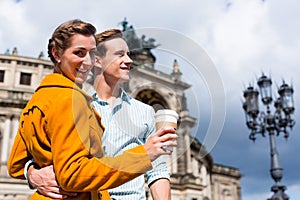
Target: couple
pixel 89 151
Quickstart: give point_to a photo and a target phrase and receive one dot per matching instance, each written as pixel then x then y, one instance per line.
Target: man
pixel 128 122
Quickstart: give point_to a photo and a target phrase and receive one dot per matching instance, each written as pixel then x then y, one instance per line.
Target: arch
pixel 158 96
pixel 152 98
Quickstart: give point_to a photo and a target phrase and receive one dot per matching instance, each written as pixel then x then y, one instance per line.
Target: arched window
pixel 152 98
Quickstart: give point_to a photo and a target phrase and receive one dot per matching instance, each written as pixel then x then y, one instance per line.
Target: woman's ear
pixel 56 55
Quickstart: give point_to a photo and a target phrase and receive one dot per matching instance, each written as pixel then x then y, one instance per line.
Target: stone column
pixel 174 167
pixel 5 147
pixel 15 126
pixel 5 141
pixel 181 152
pixel 188 151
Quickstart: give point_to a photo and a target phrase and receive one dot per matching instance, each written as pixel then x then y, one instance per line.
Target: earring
pixel 58 61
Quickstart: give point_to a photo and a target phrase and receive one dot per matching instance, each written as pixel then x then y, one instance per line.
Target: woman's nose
pixel 89 59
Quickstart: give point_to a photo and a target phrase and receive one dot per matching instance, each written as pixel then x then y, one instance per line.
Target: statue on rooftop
pixel 140 47
pixel 133 40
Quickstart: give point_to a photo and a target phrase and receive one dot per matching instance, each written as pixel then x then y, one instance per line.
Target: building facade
pixel 194 175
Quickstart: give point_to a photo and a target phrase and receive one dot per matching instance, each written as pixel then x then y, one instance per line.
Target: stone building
pixel 194 175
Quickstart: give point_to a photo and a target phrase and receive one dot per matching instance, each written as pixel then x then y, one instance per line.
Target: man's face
pixel 116 63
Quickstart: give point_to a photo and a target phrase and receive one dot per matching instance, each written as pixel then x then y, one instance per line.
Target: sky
pixel 222 46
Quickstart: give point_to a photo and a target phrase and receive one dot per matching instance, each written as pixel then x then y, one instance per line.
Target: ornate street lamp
pixel 260 122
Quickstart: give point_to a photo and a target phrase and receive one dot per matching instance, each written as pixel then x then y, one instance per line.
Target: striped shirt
pixel 128 124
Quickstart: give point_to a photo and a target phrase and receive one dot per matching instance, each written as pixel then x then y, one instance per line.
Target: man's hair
pixel 105 36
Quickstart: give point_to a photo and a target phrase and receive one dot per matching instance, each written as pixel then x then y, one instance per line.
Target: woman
pixel 59 126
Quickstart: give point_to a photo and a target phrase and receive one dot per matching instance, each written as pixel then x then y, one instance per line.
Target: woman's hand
pixel 157 143
pixel 45 182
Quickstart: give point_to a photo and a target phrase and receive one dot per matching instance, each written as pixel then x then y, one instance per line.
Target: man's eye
pixel 120 53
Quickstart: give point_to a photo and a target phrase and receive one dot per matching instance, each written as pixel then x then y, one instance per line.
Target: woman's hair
pixel 62 36
pixel 105 36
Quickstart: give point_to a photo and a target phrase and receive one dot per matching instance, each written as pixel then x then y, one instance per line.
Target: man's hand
pixel 45 182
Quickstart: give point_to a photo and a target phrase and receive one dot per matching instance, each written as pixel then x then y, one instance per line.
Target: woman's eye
pixel 79 53
pixel 92 54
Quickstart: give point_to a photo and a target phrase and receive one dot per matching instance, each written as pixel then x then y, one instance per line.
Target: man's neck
pixel 106 91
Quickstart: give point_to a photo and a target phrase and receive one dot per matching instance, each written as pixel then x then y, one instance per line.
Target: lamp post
pixel 260 122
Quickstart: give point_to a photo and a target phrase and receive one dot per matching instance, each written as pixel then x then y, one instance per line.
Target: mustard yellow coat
pixel 59 127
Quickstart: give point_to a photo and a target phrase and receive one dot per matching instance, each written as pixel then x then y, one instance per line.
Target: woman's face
pixel 77 60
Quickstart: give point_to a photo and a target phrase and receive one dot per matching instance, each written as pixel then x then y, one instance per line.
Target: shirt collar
pixel 123 96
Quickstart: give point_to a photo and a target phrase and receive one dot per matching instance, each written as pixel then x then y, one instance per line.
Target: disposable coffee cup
pixel 166 118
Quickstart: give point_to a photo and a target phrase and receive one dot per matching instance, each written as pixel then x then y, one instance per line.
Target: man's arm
pixel 158 177
pixel 161 189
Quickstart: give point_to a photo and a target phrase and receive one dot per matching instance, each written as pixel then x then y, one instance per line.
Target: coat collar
pixel 58 80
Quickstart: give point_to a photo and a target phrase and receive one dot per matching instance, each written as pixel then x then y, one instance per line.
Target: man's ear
pixel 98 62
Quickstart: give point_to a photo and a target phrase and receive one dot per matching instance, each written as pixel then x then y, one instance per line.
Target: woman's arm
pixel 75 133
pixel 18 158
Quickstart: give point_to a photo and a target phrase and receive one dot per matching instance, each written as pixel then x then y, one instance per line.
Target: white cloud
pixel 241 35
pixel 16 28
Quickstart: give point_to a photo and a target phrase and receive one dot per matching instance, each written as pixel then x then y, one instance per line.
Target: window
pixel 25 78
pixel 2 72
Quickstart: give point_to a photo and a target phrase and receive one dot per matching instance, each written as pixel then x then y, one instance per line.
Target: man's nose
pixel 128 60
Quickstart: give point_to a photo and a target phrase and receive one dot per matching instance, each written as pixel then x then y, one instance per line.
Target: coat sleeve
pixel 18 158
pixel 72 140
